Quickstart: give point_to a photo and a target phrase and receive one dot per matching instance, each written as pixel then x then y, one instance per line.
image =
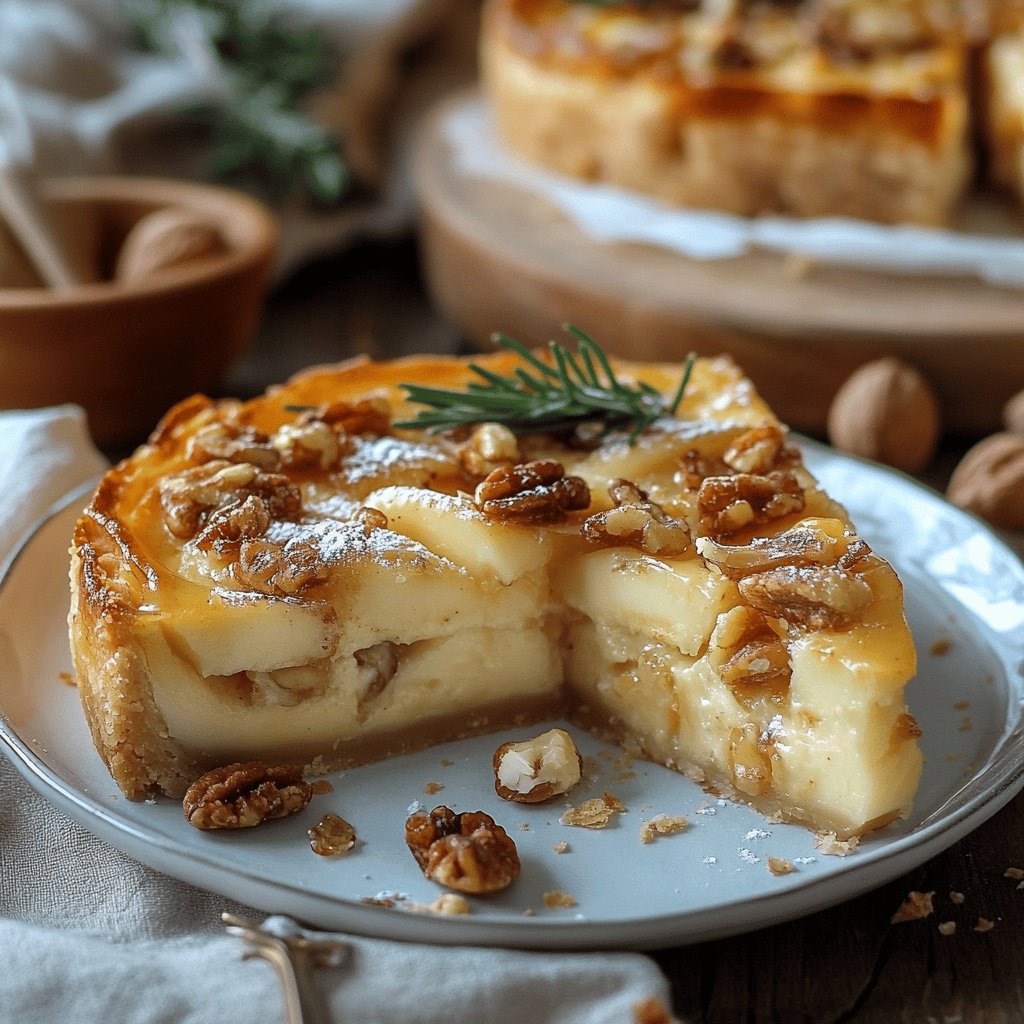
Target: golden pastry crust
pixel 295 580
pixel 748 113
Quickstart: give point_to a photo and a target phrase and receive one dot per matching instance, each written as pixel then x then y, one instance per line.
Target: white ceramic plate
pixel 965 590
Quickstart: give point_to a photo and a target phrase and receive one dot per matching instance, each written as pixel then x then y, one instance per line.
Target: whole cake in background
pixel 875 109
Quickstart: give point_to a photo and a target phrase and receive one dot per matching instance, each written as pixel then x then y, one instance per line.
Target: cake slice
pixel 855 108
pixel 305 578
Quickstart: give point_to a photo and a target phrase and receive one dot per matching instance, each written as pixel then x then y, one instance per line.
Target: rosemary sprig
pixel 547 397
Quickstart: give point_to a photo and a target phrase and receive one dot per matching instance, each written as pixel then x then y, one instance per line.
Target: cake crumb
pixel 448 904
pixel 446 762
pixel 706 808
pixel 710 860
pixel 984 925
pixel 432 787
pixel 524 826
pixel 757 833
pixel 748 857
pixel 594 813
pixel 947 928
pixel 966 725
pixel 561 847
pixel 529 912
pixel 781 866
pixel 1017 873
pixel 556 898
pixel 662 825
pixel 321 787
pixel 941 646
pixel 916 906
pixel 67 678
pixel 961 705
pixel 829 843
pixel 956 897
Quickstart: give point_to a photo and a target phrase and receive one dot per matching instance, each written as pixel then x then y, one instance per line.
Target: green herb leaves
pixel 547 397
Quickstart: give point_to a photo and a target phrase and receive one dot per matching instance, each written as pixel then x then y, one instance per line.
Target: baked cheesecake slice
pixel 813 108
pixel 306 578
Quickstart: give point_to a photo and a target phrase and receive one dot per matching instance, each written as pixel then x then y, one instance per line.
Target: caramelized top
pixel 829 62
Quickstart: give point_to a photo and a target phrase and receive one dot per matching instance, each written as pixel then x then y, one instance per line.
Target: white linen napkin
pixel 77 96
pixel 89 935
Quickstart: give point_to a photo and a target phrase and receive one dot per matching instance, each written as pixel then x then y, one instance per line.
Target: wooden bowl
pixel 126 351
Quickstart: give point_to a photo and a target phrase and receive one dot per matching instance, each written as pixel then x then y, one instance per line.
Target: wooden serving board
pixel 499 258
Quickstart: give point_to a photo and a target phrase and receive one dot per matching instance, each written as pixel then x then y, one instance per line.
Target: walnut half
pixel 243 795
pixel 533 493
pixel 467 852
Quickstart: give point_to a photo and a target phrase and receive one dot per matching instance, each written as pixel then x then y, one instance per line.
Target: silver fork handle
pixel 299 1005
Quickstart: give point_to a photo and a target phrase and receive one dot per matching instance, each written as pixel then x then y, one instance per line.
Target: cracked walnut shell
pixel 467 852
pixel 243 795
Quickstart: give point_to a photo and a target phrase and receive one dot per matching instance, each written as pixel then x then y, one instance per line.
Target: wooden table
pixel 846 964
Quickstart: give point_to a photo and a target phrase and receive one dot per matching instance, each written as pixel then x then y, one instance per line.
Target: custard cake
pixel 854 108
pixel 304 578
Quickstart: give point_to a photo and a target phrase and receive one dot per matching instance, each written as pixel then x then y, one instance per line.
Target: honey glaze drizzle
pixel 331 836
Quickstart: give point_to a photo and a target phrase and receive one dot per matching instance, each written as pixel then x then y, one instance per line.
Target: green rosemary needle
pixel 546 397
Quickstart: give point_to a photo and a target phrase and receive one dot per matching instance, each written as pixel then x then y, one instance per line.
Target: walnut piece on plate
pixel 244 795
pixel 467 852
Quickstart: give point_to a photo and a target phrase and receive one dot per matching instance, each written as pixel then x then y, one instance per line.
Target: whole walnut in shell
pixel 989 480
pixel 166 238
pixel 1013 414
pixel 886 411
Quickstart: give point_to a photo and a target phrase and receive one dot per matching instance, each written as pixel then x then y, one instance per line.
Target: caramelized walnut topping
pixel 807 543
pixel 728 504
pixel 638 521
pixel 745 651
pixel 810 596
pixel 371 519
pixel 697 466
pixel 366 416
pixel 531 493
pixel 491 446
pixel 280 570
pixel 227 527
pixel 243 795
pixel 467 852
pixel 232 443
pixel 756 451
pixel 537 769
pixel 189 498
pixel 310 445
